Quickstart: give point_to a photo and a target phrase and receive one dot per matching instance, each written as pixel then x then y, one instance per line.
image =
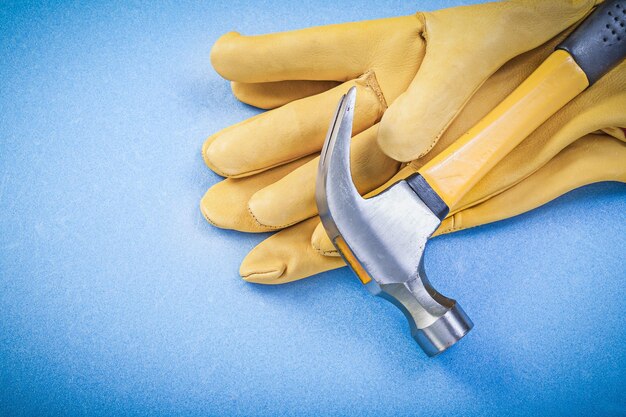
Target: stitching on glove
pixel 264 169
pixel 322 252
pixel 370 80
pixel 282 226
pixel 276 165
pixel 328 252
pixel 319 250
pixel 258 222
pixel 207 218
pixel 453 227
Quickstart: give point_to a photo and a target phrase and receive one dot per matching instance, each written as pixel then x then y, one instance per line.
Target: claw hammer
pixel 383 238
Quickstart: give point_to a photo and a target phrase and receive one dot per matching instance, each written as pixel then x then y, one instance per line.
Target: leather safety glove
pixel 581 144
pixel 437 62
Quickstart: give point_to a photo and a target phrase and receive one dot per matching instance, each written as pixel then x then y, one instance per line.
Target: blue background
pixel 116 297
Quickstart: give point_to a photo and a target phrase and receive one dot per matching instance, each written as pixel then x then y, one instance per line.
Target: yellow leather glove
pixel 579 145
pixel 436 61
pixel 271 157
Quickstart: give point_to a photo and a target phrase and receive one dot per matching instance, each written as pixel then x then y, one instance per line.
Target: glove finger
pixel 321 243
pixel 285 195
pixel 278 93
pixel 286 256
pixel 335 52
pixel 495 89
pixel 591 159
pixel 449 74
pixel 225 204
pixel 292 198
pixel 288 132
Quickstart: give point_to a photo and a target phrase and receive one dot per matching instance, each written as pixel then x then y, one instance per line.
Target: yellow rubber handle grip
pixel 457 169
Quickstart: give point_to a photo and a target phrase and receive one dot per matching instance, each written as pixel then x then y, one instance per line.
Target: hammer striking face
pixel 383 238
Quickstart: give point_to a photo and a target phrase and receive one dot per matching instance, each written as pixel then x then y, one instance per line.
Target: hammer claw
pixel 335 190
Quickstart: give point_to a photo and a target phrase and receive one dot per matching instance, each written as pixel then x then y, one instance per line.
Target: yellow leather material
pixel 481 38
pixel 451 67
pixel 598 108
pixel 230 213
pixel 453 172
pixel 292 199
pixel 285 195
pixel 287 256
pixel 287 133
pixel 392 48
pixel 275 94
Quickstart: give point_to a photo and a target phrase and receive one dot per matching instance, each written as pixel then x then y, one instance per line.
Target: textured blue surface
pixel 116 297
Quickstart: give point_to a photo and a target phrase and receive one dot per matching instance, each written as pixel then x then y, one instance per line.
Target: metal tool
pixel 383 238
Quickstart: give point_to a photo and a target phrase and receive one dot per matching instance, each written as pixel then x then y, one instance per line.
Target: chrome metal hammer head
pixel 383 238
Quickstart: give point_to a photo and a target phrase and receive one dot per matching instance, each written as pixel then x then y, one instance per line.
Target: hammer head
pixel 383 239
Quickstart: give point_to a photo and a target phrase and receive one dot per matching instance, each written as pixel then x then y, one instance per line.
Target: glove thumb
pixel 464 46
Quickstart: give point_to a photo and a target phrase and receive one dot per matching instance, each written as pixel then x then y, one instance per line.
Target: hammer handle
pixel 595 47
